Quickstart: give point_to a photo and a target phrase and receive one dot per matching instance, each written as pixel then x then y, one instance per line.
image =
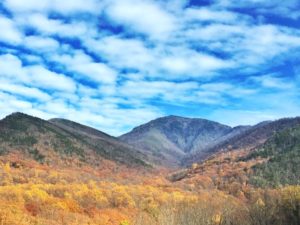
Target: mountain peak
pixel 183 122
pixel 181 118
pixel 175 117
pixel 18 115
pixel 177 136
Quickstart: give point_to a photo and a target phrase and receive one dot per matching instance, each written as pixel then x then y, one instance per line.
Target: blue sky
pixel 114 64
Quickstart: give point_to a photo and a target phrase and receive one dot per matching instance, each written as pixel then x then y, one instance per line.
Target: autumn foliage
pixel 216 192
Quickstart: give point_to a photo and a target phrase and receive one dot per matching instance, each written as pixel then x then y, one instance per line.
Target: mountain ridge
pixel 192 140
pixel 56 140
pixel 179 136
pixel 250 138
pixel 170 141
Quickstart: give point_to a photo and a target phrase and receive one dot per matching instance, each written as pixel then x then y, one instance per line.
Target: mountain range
pixel 275 163
pixel 176 141
pixel 170 141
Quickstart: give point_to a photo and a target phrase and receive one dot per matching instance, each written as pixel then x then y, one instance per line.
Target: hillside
pixel 282 154
pixel 272 164
pixel 62 141
pixel 170 138
pixel 176 141
pixel 247 137
pixel 66 179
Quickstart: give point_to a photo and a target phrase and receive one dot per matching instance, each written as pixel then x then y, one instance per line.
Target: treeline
pixel 282 167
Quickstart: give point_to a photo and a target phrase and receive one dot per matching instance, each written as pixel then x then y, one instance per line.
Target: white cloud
pixel 205 14
pixel 9 104
pixel 103 114
pixel 36 75
pixel 181 93
pixel 265 42
pixel 32 58
pixel 236 117
pixel 84 90
pixel 147 17
pixel 9 32
pixel 71 6
pixel 30 5
pixel 57 107
pixel 85 66
pixel 210 97
pixel 217 32
pixel 117 121
pixel 247 45
pixel 133 54
pixel 271 40
pixel 241 117
pixel 272 81
pixel 184 63
pixel 24 91
pixel 97 71
pixel 48 26
pixel 287 8
pixel 216 93
pixel 170 91
pixel 20 105
pixel 41 43
pixel 128 53
pixel 11 67
pixel 46 79
pixel 38 113
pixel 63 7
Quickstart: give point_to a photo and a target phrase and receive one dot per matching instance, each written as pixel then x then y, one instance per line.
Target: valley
pixel 170 171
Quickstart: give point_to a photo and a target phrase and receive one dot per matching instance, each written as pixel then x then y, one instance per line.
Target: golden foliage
pixel 39 195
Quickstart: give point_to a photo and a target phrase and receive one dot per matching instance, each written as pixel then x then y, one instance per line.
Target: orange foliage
pixel 33 194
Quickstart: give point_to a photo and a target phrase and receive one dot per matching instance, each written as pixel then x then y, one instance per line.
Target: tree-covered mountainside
pixel 178 141
pixel 276 163
pixel 169 139
pixel 51 173
pixel 282 167
pixel 46 142
pixel 249 137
